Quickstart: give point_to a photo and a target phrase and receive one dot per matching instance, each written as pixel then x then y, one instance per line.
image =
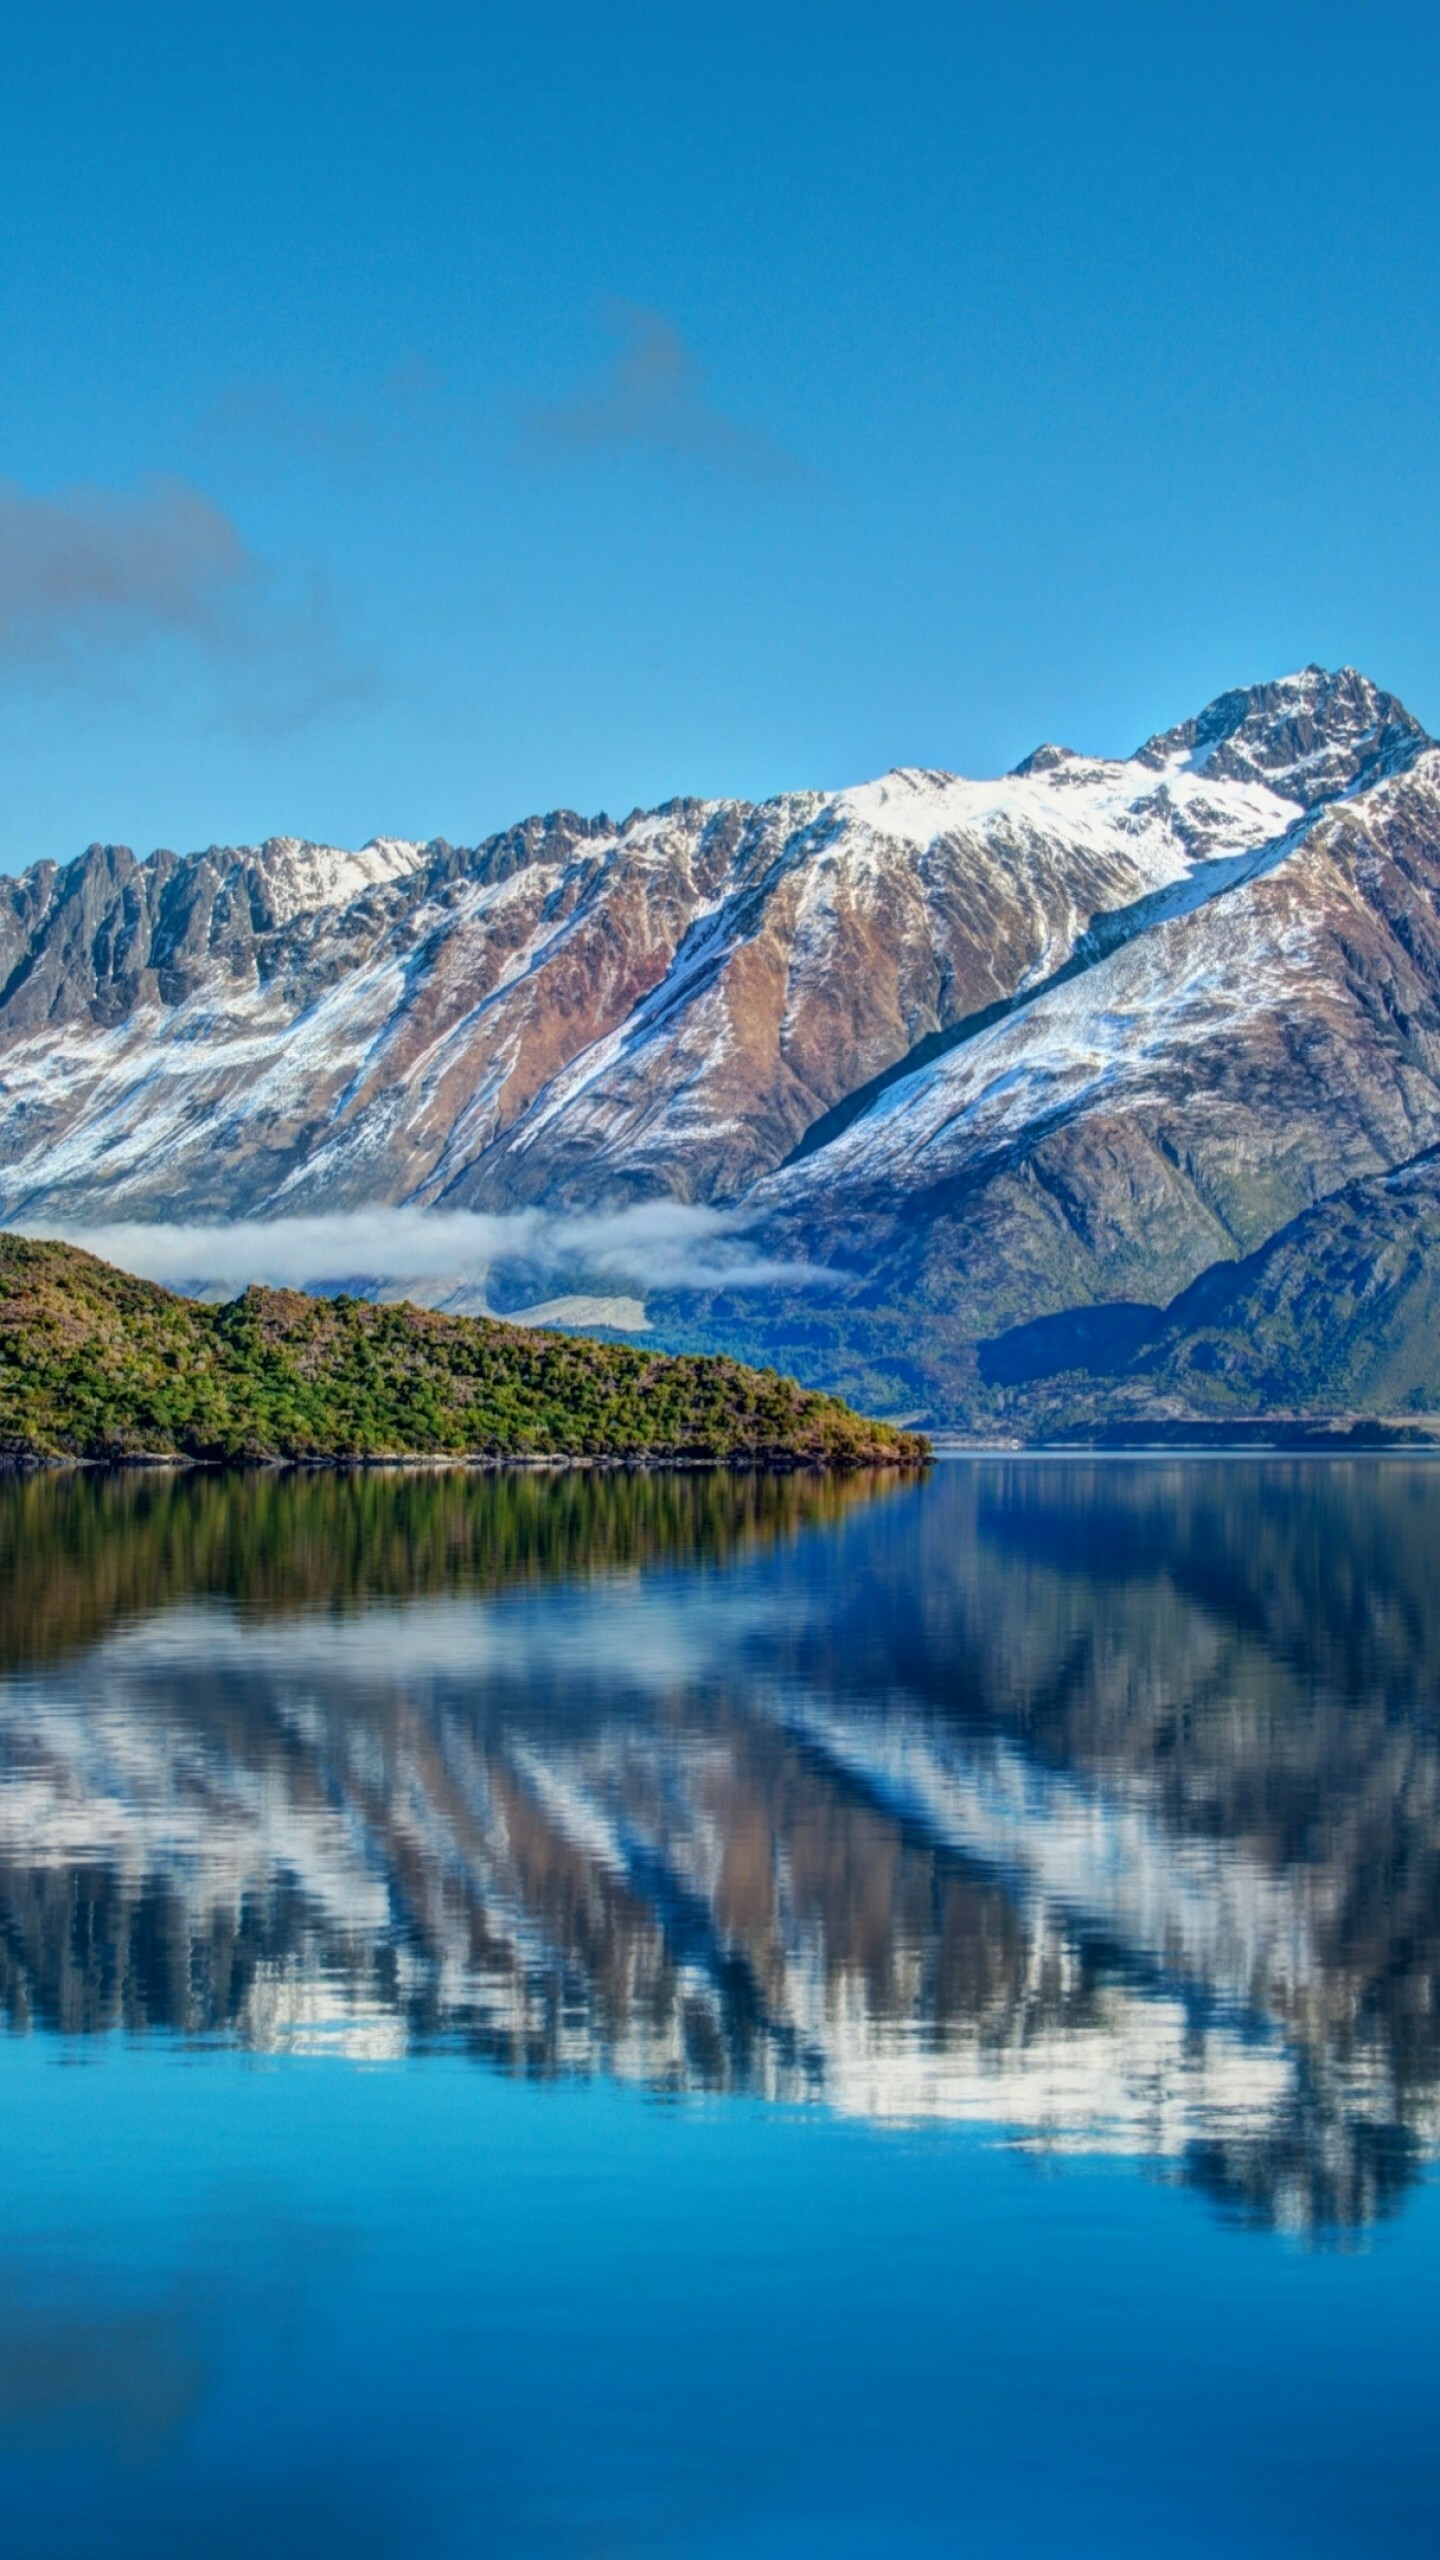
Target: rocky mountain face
pixel 963 1055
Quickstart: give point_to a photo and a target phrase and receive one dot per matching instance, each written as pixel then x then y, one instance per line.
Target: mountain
pixel 96 1364
pixel 576 1011
pixel 957 1056
pixel 1338 1313
pixel 1257 1037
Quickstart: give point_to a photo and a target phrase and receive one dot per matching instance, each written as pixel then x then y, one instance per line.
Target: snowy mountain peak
pixel 1309 736
pixel 299 875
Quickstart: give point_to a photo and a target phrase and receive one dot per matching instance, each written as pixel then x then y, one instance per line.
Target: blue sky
pixel 414 417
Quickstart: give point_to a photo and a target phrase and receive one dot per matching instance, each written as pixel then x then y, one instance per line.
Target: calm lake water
pixel 702 2015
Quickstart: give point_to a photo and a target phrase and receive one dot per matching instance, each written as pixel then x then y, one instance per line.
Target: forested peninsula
pixel 98 1366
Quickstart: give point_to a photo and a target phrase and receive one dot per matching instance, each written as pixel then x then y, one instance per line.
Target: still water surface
pixel 700 2014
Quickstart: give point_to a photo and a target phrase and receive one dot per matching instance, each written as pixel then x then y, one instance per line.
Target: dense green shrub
pixel 95 1364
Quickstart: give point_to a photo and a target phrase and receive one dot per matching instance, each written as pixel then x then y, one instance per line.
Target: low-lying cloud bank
pixel 447 1256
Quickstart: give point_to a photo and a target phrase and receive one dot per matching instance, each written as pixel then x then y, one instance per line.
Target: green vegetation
pixel 97 1365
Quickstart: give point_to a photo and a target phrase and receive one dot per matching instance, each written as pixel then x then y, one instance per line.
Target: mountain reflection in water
pixel 1094 1802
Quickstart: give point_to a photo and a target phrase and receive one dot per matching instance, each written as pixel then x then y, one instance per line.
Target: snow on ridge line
pixel 301 875
pixel 1094 797
pixel 914 804
pixel 1106 805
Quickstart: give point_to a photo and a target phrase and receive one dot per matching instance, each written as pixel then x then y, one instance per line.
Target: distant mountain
pixel 974 1053
pixel 1337 1315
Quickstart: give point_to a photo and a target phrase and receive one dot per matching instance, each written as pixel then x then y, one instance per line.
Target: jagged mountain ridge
pixel 575 1011
pixel 976 1051
pixel 1177 1101
pixel 1165 1108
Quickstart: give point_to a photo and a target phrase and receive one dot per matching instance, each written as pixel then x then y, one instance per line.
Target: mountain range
pixel 1104 1094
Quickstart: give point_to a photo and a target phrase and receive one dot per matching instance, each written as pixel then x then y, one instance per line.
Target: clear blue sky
pixel 414 416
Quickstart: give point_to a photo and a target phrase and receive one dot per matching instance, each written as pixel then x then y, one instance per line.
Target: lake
pixel 696 2014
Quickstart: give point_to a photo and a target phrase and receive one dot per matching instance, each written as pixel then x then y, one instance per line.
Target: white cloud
pixel 444 1255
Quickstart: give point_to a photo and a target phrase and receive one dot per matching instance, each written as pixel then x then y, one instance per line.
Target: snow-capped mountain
pixel 976 1051
pixel 1270 1033
pixel 578 1011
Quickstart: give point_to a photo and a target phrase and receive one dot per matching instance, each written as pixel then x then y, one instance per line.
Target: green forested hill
pixel 95 1364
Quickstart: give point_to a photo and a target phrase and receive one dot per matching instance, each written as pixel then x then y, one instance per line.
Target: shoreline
pixel 558 1462
pixel 1198 1440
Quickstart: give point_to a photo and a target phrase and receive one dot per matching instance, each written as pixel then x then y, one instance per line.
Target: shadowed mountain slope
pixel 1171 1105
pixel 1337 1315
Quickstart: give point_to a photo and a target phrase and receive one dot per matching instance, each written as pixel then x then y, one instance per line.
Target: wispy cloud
pixel 448 1255
pixel 91 563
pixel 654 394
pixel 261 416
pixel 89 576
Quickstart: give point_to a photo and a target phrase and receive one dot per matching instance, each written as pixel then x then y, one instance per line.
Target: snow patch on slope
pixel 1062 1049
